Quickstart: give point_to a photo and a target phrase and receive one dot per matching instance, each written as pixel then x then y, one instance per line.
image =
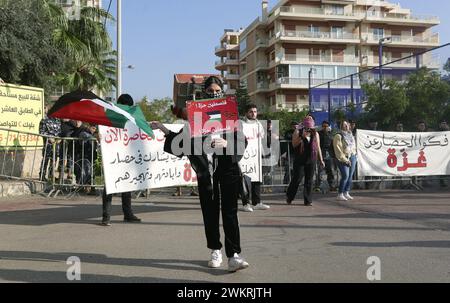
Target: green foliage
pixel 429 97
pixel 387 105
pixel 243 99
pixel 28 54
pixel 157 110
pixel 424 96
pixel 91 63
pixel 339 115
pixel 41 46
pixel 285 117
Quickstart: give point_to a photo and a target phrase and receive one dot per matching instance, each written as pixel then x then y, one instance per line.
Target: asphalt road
pixel 407 231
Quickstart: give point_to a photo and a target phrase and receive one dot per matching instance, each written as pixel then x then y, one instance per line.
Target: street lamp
pixel 312 70
pixel 380 56
pixel 119 50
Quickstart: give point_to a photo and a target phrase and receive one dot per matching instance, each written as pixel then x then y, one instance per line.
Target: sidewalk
pixel 330 242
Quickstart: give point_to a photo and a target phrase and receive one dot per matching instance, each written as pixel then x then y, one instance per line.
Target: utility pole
pixel 119 50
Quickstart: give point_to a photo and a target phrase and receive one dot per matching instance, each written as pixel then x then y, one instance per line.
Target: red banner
pixel 212 116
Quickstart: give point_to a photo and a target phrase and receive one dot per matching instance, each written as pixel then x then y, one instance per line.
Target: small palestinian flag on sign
pixel 87 107
pixel 215 116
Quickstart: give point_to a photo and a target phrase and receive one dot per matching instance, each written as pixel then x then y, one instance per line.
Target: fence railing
pixel 70 165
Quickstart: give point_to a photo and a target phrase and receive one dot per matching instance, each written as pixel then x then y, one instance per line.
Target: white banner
pixel 403 154
pixel 251 163
pixel 133 161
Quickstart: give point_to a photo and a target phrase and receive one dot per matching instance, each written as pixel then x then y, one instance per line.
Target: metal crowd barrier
pixel 68 166
pixel 57 165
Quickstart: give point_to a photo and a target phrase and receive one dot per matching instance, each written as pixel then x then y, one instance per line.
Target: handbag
pixel 245 187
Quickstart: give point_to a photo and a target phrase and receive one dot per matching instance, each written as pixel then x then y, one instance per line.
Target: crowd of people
pixel 310 152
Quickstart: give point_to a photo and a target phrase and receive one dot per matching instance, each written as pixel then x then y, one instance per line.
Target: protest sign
pixel 213 116
pixel 403 154
pixel 134 161
pixel 22 109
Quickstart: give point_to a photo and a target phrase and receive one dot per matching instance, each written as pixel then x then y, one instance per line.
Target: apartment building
pixel 299 43
pixel 67 4
pixel 187 87
pixel 228 64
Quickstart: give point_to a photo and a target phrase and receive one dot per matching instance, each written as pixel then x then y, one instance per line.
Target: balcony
pixel 400 19
pixel 232 77
pixel 230 92
pixel 320 37
pixel 346 59
pixel 221 50
pixel 226 62
pixel 296 83
pixel 432 62
pixel 311 13
pixel 399 40
pixel 262 65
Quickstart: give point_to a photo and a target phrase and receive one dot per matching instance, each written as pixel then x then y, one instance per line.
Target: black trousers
pixel 107 205
pixel 256 194
pixel 224 196
pixel 301 169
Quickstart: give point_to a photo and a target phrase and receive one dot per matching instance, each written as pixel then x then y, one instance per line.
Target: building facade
pixel 228 64
pixel 302 43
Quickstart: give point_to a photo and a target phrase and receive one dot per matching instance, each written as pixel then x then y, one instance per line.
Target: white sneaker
pixel 247 208
pixel 216 259
pixel 347 196
pixel 341 197
pixel 261 206
pixel 236 263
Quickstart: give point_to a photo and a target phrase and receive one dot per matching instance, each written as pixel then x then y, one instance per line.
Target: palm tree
pixel 90 60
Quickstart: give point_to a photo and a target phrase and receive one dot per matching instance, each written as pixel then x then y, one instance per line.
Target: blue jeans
pixel 346 175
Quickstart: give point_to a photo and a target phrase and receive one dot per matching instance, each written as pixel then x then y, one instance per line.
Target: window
pixel 378 33
pixel 243 46
pixel 337 32
pixel 337 10
pixel 314 30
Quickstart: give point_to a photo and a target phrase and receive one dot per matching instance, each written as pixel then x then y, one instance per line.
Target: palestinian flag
pixel 87 107
pixel 215 116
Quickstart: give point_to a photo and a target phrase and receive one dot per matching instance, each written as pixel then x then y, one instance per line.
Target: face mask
pixel 215 95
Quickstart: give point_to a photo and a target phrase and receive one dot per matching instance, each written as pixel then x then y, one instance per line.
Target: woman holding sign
pixel 222 193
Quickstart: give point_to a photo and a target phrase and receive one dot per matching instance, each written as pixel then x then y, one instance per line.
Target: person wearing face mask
pixel 306 143
pixel 222 192
pixel 345 149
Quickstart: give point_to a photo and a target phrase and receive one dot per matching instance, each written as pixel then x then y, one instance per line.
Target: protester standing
pixel 222 192
pixel 251 116
pixel 306 143
pixel 345 149
pixel 326 147
pixel 124 99
pixel 49 128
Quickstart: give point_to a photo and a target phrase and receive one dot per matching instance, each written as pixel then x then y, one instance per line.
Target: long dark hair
pixel 212 80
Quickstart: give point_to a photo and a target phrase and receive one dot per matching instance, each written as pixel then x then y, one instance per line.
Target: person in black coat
pixel 222 192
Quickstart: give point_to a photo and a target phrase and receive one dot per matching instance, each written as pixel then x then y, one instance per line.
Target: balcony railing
pixel 434 39
pixel 428 61
pixel 262 85
pixel 396 16
pixel 229 76
pixel 321 58
pixel 318 35
pixel 226 47
pixel 304 82
pixel 314 11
